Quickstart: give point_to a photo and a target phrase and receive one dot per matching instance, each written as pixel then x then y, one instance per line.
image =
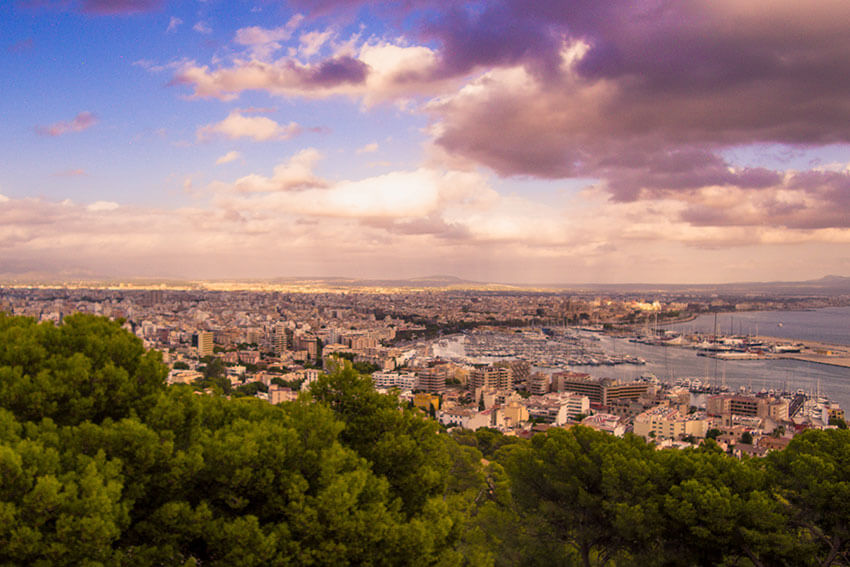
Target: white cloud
pixel 203 28
pixel 264 41
pixel 297 173
pixel 313 41
pixel 368 148
pixel 99 206
pixel 256 35
pixel 173 24
pixel 257 128
pixel 230 156
pixel 376 72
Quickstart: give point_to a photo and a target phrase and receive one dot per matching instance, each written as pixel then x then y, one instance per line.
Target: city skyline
pixel 515 142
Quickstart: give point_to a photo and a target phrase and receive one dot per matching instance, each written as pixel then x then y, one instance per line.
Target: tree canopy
pixel 102 464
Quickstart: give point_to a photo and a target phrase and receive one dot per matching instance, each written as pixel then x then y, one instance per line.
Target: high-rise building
pixel 538 383
pixel 579 383
pixel 432 379
pixel 205 343
pixel 499 378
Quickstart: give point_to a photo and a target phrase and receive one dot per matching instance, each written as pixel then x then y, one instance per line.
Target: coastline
pixel 813 351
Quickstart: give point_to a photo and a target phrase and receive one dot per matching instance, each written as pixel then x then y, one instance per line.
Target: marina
pixel 761 364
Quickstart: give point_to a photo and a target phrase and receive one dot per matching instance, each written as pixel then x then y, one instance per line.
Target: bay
pixel 828 325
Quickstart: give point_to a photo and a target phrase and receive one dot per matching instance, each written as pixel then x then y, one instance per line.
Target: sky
pixel 515 141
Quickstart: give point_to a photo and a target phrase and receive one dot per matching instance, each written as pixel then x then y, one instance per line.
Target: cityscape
pixel 511 360
pixel 473 283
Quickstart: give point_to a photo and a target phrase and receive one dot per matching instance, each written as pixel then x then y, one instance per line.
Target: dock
pixel 813 351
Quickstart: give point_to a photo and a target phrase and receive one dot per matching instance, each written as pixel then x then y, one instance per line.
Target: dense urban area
pixel 135 429
pixel 511 372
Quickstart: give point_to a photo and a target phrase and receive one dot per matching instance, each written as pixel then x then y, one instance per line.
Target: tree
pixel 713 433
pixel 586 489
pixel 215 368
pixel 716 509
pixel 250 389
pixel 747 438
pixel 812 474
pixel 88 368
pixel 401 445
pixel 366 367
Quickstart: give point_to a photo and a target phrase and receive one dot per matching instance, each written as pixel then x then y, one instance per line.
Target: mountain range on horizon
pixel 827 285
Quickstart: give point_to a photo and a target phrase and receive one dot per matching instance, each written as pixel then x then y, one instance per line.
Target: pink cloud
pixel 258 128
pixel 286 76
pixel 82 121
pixel 116 7
pixel 643 96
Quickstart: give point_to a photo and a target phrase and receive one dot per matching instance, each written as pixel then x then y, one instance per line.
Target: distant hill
pixel 830 285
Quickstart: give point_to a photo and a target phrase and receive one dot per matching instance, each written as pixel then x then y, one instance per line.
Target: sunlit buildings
pixel 205 343
pixel 664 422
pixel 496 377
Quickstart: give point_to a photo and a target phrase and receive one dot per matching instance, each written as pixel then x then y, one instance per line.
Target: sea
pixel 828 325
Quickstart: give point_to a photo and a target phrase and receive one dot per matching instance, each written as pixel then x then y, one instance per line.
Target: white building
pixel 400 380
pixel 557 407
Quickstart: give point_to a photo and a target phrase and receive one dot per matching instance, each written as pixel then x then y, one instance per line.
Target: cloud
pixel 284 77
pixel 173 24
pixel 295 174
pixel 256 36
pixel 374 70
pixel 257 128
pixel 368 148
pixel 230 156
pixel 422 220
pixel 643 96
pixel 100 206
pixel 118 7
pixel 202 28
pixel 82 121
pixel 312 42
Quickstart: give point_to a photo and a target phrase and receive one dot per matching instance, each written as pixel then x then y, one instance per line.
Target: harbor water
pixel 670 363
pixel 829 325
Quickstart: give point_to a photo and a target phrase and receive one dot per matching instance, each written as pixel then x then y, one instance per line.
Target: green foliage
pixel 366 367
pixel 100 464
pixel 713 433
pixel 488 441
pixel 170 477
pixel 214 368
pixel 349 356
pixel 88 368
pixel 403 447
pixel 250 389
pixel 292 384
pixel 604 498
pixel 812 476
